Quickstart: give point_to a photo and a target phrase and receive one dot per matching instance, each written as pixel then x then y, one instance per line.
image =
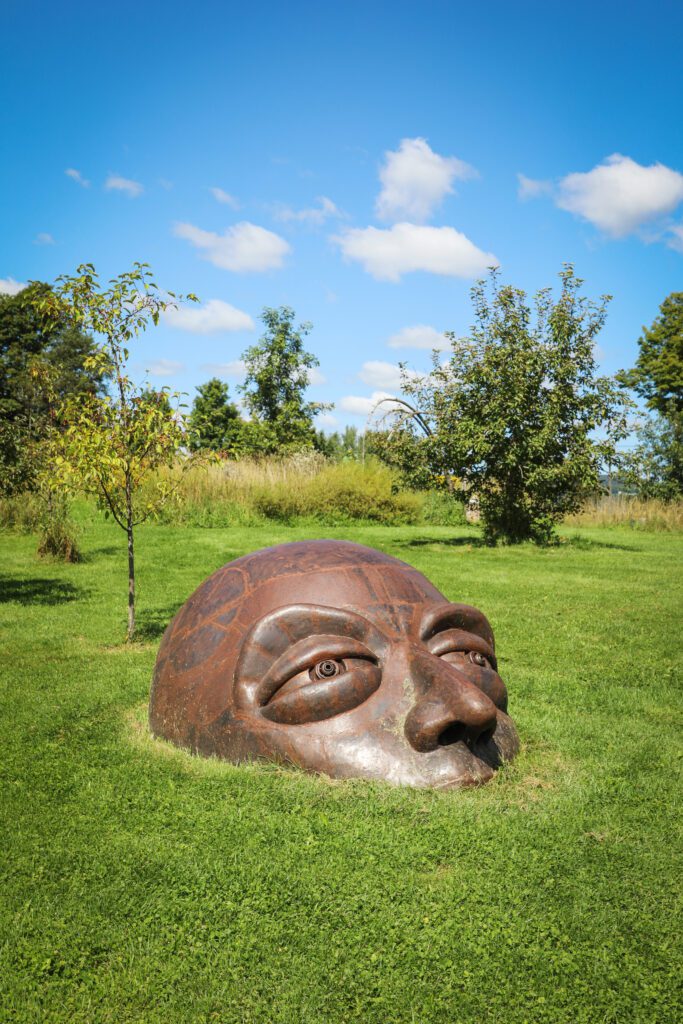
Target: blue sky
pixel 360 162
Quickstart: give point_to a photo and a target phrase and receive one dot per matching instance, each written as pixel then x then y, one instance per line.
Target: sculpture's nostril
pixel 453 733
pixel 458 732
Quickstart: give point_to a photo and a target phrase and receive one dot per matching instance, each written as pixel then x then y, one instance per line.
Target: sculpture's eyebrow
pixel 447 641
pixel 456 616
pixel 277 630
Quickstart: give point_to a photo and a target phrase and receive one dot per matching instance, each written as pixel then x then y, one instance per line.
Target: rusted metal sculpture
pixel 339 659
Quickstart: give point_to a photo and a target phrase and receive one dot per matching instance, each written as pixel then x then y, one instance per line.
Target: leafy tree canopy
pixel 277 376
pixel 658 374
pixel 35 351
pixel 344 447
pixel 27 334
pixel 214 420
pixel 511 416
pixel 655 465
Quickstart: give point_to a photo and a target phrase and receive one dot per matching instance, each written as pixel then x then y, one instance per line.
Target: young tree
pixel 278 373
pixel 110 444
pixel 512 415
pixel 214 420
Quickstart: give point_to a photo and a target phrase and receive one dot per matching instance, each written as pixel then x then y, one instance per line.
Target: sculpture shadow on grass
pixel 37 591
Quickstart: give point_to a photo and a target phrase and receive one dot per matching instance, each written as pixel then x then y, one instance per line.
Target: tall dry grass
pixel 304 487
pixel 631 512
pixel 301 487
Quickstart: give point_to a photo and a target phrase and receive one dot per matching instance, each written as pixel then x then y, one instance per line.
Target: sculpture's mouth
pixel 459 762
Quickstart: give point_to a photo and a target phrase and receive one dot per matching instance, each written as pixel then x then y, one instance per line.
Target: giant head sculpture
pixel 339 659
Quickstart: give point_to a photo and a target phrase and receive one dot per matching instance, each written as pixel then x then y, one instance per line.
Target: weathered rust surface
pixel 337 658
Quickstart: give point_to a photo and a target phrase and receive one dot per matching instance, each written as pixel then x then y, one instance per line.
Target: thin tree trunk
pixel 131 563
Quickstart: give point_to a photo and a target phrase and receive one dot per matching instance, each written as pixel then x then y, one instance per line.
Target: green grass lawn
pixel 142 884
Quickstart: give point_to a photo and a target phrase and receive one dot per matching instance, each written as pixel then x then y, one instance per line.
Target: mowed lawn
pixel 142 884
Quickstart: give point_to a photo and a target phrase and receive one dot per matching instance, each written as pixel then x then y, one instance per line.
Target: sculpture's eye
pixel 315 688
pixel 327 669
pixel 478 659
pixel 462 649
pixel 488 681
pixel 462 657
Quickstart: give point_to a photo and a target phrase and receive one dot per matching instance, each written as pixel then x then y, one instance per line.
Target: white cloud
pixel 378 374
pixel 315 377
pixel 76 176
pixel 404 248
pixel 243 247
pixel 415 180
pixel 166 184
pixel 212 317
pixel 221 196
pixel 314 215
pixel 115 183
pixel 237 369
pixel 165 368
pixel 620 195
pixel 530 188
pixel 358 405
pixel 43 238
pixel 676 239
pixel 326 419
pixel 419 336
pixel 8 286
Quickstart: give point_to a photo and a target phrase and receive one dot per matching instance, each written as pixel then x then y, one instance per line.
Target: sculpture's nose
pixel 449 707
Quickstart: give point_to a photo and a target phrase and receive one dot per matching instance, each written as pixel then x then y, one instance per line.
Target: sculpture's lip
pixel 461 766
pixel 471 764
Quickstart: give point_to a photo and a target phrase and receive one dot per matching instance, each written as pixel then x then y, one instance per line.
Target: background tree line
pixel 516 419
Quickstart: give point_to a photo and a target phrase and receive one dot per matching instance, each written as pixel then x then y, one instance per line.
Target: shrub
pixel 341 493
pixel 441 509
pixel 46 514
pixel 58 540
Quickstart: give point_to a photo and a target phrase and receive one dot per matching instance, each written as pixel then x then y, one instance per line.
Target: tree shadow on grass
pixel 152 624
pixel 92 554
pixel 589 544
pixel 454 542
pixel 580 543
pixel 37 591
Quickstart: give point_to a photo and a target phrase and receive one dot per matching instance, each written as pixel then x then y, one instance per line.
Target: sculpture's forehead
pixel 394 597
pixel 303 557
pixel 336 574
